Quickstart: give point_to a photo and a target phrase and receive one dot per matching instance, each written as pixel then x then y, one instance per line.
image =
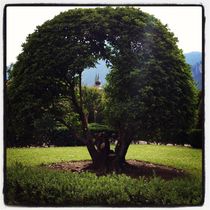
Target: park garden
pixel 136 141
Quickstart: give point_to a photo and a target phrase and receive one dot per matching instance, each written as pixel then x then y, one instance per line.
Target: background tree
pixel 150 88
pixel 200 111
pixel 93 99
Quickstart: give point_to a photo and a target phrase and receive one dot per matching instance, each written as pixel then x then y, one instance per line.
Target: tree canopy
pixel 150 88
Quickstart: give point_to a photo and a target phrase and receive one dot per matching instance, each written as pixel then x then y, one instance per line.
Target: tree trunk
pixel 78 106
pixel 101 155
pixel 108 160
pixel 119 160
pixel 121 149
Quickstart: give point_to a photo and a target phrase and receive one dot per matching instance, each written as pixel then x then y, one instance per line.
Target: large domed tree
pixel 150 88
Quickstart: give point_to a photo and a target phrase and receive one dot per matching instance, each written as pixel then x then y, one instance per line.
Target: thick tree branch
pixel 78 106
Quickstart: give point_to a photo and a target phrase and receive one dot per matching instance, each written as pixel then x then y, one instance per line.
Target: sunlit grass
pixel 176 156
pixel 180 157
pixel 37 156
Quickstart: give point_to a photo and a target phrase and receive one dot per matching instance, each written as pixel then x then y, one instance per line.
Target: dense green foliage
pixel 195 138
pixel 149 88
pixel 150 95
pixel 200 106
pixel 62 136
pixel 159 95
pixel 39 187
pixel 29 184
pixel 99 127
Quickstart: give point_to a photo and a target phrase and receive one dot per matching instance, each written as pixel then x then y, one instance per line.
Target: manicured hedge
pixel 195 138
pixel 103 130
pixel 96 127
pixel 63 137
pixel 60 136
pixel 27 186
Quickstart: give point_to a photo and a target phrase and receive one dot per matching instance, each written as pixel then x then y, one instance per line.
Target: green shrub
pixel 104 130
pixel 63 137
pixel 96 127
pixel 27 186
pixel 195 138
pixel 181 138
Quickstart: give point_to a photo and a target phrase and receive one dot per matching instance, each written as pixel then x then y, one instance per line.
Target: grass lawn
pixel 28 184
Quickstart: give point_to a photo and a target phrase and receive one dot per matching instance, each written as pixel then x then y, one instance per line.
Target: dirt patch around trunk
pixel 132 168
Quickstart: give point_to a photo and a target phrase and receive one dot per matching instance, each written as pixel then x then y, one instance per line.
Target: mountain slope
pixel 192 58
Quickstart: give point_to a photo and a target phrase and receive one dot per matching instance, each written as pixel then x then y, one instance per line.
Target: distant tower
pixel 97 81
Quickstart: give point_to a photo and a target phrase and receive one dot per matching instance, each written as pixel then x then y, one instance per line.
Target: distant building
pixel 97 82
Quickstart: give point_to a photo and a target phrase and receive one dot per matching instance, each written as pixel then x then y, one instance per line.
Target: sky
pixel 185 22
